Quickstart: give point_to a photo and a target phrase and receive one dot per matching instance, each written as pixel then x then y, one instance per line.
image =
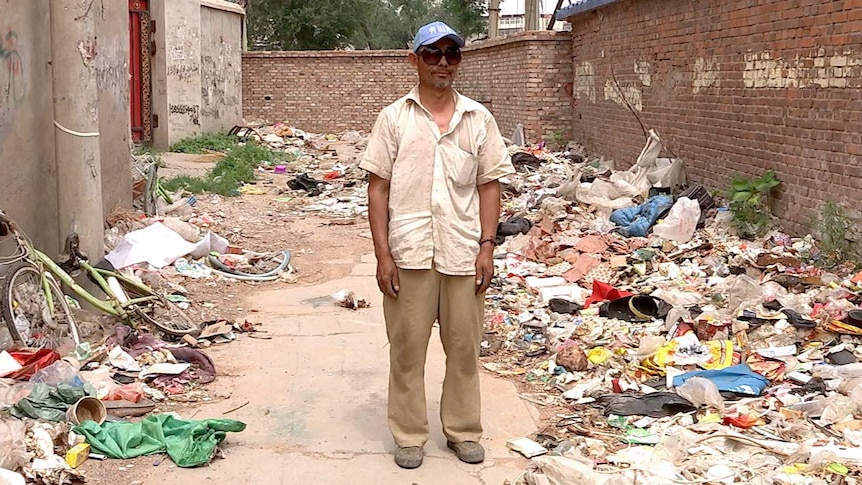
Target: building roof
pixel 580 6
pixel 516 7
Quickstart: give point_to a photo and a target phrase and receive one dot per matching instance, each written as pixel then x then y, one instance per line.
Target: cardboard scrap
pixel 526 447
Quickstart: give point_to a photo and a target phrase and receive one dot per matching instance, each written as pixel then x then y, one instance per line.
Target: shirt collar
pixel 461 106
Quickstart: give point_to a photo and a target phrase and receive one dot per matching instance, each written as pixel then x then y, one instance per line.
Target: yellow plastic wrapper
pixel 682 351
pixel 598 355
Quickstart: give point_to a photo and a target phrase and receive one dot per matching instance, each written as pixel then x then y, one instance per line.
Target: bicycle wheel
pixel 166 316
pixel 31 321
pixel 158 312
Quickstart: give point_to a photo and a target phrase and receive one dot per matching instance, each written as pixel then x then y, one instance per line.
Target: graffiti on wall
pixel 12 82
pixel 11 69
pixel 193 112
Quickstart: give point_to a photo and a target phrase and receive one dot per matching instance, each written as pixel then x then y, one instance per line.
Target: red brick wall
pixel 520 78
pixel 734 87
pixel 323 91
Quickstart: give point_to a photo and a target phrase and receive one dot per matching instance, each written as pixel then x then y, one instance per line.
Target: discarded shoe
pixel 409 457
pixel 306 183
pixel 468 451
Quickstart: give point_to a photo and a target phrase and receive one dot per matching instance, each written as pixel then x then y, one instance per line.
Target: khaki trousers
pixel 426 296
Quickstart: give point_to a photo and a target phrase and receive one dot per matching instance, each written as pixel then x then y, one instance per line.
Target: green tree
pixel 362 24
pixel 304 25
pixel 465 16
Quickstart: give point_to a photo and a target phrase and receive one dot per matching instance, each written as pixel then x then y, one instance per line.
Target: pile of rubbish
pixel 320 180
pixel 668 349
pixel 58 411
pixel 148 246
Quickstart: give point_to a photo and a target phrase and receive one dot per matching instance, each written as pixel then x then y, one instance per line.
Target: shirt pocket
pixel 463 168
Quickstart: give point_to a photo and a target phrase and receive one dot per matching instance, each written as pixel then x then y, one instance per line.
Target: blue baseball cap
pixel 431 33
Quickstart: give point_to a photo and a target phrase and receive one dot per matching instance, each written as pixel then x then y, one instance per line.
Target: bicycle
pixel 37 313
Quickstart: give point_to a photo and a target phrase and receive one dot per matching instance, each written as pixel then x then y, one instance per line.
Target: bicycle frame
pixel 111 306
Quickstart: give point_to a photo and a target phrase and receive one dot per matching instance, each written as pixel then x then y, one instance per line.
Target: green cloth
pixel 188 443
pixel 50 402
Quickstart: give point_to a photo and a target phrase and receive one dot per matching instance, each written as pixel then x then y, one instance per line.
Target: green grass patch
pixel 229 173
pixel 146 149
pixel 217 142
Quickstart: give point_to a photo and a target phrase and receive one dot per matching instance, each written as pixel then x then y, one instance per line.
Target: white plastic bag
pixel 701 392
pixel 13 449
pixel 681 221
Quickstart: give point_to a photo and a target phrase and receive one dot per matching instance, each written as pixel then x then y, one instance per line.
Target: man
pixel 434 159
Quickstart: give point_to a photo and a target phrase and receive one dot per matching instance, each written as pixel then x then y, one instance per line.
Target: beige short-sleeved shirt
pixel 433 195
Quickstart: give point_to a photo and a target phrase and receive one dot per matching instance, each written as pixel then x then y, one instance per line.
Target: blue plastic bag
pixel 636 221
pixel 738 378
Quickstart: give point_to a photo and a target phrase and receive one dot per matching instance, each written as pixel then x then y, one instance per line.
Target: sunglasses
pixel 432 56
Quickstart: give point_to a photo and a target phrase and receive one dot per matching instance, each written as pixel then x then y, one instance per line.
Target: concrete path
pixel 317 401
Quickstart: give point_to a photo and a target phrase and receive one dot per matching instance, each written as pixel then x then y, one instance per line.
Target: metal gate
pixel 140 85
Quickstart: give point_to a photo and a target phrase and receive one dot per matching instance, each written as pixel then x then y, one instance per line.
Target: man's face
pixel 442 74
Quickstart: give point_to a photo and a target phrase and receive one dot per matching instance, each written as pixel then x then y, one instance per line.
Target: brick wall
pixel 323 91
pixel 734 87
pixel 522 78
pixel 519 78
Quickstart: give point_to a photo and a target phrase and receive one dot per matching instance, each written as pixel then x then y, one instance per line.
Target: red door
pixel 139 69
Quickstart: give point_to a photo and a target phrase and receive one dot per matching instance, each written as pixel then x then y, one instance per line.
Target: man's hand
pixel 387 277
pixel 484 268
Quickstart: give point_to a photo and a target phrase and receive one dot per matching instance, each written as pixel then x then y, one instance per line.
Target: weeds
pixel 146 150
pixel 557 138
pixel 833 227
pixel 217 142
pixel 225 178
pixel 748 204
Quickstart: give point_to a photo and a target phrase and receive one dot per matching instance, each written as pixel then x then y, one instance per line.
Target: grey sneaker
pixel 409 457
pixel 468 451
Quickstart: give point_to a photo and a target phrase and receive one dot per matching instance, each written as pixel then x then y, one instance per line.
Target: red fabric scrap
pixel 604 291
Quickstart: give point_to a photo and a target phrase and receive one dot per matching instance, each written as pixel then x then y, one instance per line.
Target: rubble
pixel 669 349
pixel 125 373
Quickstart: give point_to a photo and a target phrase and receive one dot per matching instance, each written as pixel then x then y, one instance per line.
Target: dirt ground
pixel 320 251
pixel 277 382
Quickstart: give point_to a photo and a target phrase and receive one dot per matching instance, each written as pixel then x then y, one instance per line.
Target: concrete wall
pixel 197 82
pixel 28 182
pixel 735 87
pixel 221 69
pixel 521 79
pixel 112 68
pixel 176 70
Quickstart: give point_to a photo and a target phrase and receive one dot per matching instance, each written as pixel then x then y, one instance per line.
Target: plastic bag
pixel 60 372
pixel 558 470
pixel 701 392
pixel 188 443
pixel 108 390
pixel 13 449
pixel 12 391
pixel 32 360
pixel 838 409
pixel 681 221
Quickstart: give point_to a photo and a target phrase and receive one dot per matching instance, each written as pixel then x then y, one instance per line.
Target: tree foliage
pixel 360 24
